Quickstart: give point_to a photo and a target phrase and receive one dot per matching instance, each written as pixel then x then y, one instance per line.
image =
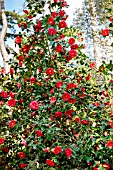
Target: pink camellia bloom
pixel 92 65
pixel 46 149
pixel 11 102
pixel 52 100
pixel 34 105
pixel 68 152
pixel 57 150
pixel 12 123
pixel 1 141
pixel 24 143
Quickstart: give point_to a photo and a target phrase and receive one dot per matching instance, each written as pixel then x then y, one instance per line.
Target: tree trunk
pixel 2 36
pixel 95 33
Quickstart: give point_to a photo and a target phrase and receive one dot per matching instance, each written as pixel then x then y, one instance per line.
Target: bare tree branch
pixel 2 36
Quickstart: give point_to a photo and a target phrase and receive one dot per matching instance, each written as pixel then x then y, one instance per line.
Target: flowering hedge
pixel 55 113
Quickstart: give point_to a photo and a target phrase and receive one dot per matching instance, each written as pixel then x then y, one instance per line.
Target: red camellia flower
pixel 92 65
pixel 74 46
pixel 39 133
pixel 70 86
pixel 21 155
pixel 88 77
pixel 54 14
pixel 59 84
pixel 22 166
pixel 62 24
pixel 1 141
pixel 33 80
pixel 38 26
pixel 11 71
pixel 68 152
pixel 111 18
pixel 12 123
pixel 58 114
pixel 4 94
pixel 71 41
pixel 58 48
pixel 50 71
pixel 106 166
pixel 11 102
pixel 57 150
pixel 21 58
pixel 95 168
pixel 34 105
pixel 2 71
pixel 105 32
pixel 68 112
pixel 110 144
pixel 66 96
pixel 25 11
pixel 77 119
pixel 72 53
pixel 50 162
pixel 71 101
pixel 110 123
pixel 55 1
pixel 111 81
pixel 26 48
pixel 5 149
pixel 24 24
pixel 62 13
pixel 51 31
pixel 18 40
pixel 51 21
pixel 84 122
pixel 52 100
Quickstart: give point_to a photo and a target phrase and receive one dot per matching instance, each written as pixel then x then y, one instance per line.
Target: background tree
pixel 83 17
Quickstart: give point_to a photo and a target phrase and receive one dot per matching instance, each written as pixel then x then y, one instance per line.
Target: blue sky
pixel 14 5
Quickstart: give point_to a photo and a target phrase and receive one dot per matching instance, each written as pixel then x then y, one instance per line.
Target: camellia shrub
pixel 55 112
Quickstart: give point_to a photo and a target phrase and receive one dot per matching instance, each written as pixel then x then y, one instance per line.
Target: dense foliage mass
pixel 56 114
